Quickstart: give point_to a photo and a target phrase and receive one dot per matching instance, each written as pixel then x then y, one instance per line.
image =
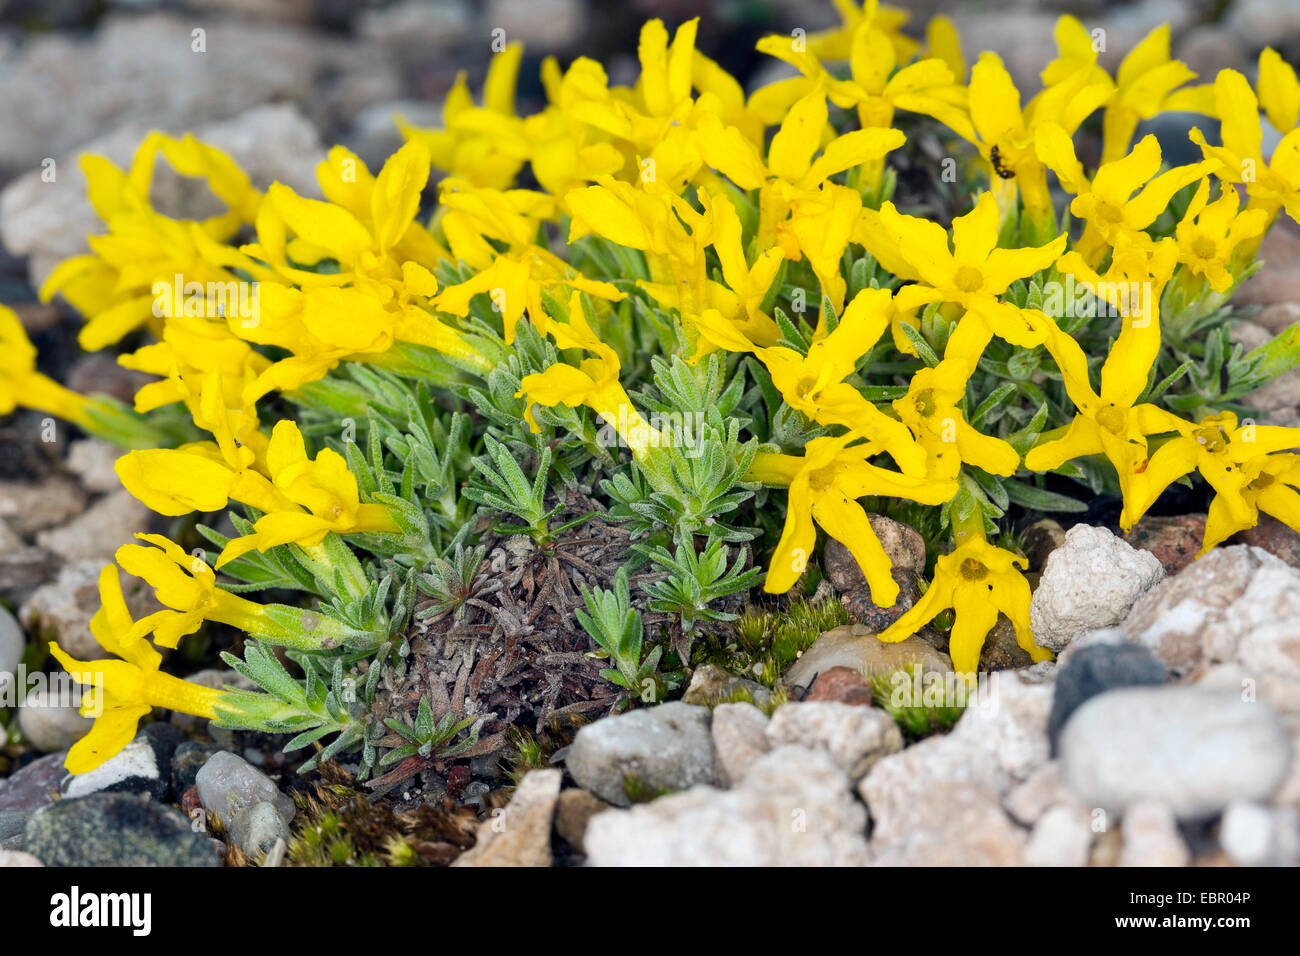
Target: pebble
pixel 100 530
pixel 904 547
pixel 739 738
pixel 1151 838
pixel 12 644
pixel 1195 749
pixel 29 507
pixel 1095 669
pixel 519 834
pixel 855 737
pixel 1174 540
pixel 793 808
pixel 92 461
pixel 857 648
pixel 841 685
pixel 1089 582
pixel 664 747
pixel 710 684
pixel 573 811
pixel 1253 834
pixel 239 795
pixel 187 761
pixel 16 858
pixel 1061 837
pixel 115 829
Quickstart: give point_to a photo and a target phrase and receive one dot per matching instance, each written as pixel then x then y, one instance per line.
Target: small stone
pixel 92 461
pixel 1028 801
pixel 739 738
pixel 574 810
pixel 857 648
pixel 711 685
pixel 257 829
pixel 115 829
pixel 1208 49
pixel 1090 582
pixel 1093 670
pixel 49 726
pixel 100 530
pixel 1256 835
pixel 34 785
pixel 1061 837
pixel 1275 281
pixel 27 508
pixel 521 834
pixel 1040 539
pixel 1260 23
pixel 1151 837
pixel 12 644
pixel 1274 537
pixel 228 783
pixel 664 747
pixel 793 808
pixel 1194 749
pixel 1175 541
pixel 905 549
pixel 855 737
pixel 841 685
pixel 1001 650
pixel 16 858
pixel 963 825
pixel 544 24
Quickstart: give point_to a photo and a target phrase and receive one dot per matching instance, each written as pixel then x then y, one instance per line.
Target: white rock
pixel 92 460
pixel 17 858
pixel 1028 801
pixel 521 834
pixel 136 760
pixel 1089 582
pixel 228 783
pixel 1195 749
pixel 51 727
pixel 11 648
pixel 663 747
pixel 100 530
pixel 793 808
pixel 855 737
pixel 739 738
pixel 1256 835
pixel 1061 837
pixel 1151 837
pixel 956 824
pixel 258 828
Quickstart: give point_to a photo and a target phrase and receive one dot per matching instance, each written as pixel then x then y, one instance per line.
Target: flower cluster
pixel 680 238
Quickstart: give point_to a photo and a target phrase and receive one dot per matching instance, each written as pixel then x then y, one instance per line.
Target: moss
pixel 914 720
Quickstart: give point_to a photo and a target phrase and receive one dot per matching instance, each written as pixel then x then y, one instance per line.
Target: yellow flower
pixel 1146 84
pixel 1240 463
pixel 192 348
pixel 836 43
pixel 814 385
pixel 114 286
pixel 877 86
pixel 1279 91
pixel 978 581
pixel 1124 197
pixel 484 144
pixel 22 385
pixel 1108 423
pixel 973 274
pixel 1210 233
pixel 1004 133
pixel 1271 186
pixel 323 486
pixel 825 483
pixel 594 383
pixel 930 410
pixel 120 692
pixel 204 476
pixel 187 587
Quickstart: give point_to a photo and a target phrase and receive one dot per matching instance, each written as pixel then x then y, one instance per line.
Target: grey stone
pixel 1089 582
pixel 855 737
pixel 49 726
pixel 663 747
pixel 258 828
pixel 1094 670
pixel 1191 748
pixel 739 738
pixel 855 647
pixel 12 644
pixel 229 783
pixel 793 808
pixel 115 829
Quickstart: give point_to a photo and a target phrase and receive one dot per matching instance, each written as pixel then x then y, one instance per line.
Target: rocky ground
pixel 1163 734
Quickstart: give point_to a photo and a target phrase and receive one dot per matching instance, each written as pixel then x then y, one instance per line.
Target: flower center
pixel 822 478
pixel 1262 481
pixel 1109 212
pixel 973 570
pixel 1203 248
pixel 969 279
pixel 925 403
pixel 1212 439
pixel 1111 418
